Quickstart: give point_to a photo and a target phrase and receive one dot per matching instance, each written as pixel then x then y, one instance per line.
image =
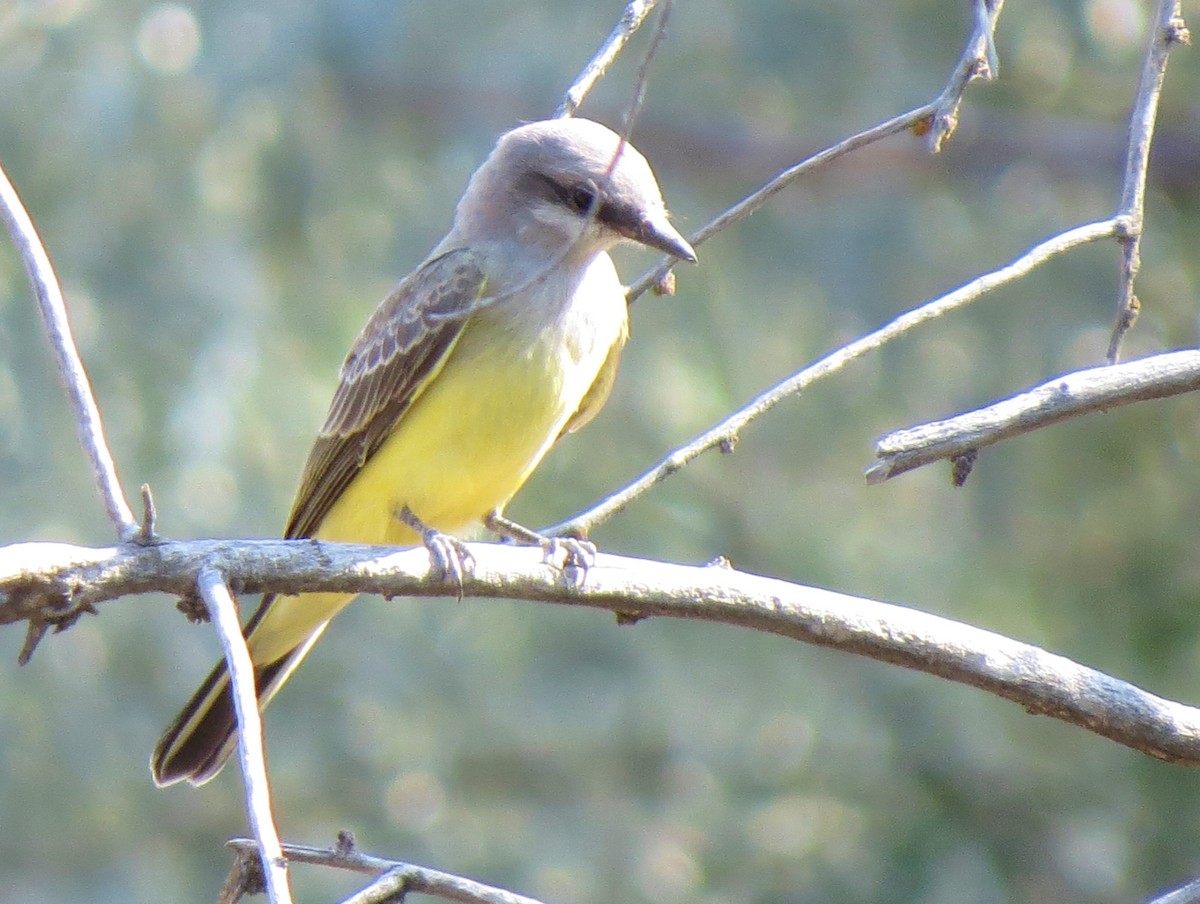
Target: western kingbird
pixel 504 339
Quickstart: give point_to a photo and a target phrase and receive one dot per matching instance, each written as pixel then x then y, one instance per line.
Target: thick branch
pixel 1068 396
pixel 34 574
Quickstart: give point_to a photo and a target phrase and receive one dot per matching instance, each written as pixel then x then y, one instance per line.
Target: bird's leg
pixel 448 555
pixel 578 555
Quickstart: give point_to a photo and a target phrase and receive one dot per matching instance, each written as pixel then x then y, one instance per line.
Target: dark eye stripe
pixel 580 199
pixel 577 197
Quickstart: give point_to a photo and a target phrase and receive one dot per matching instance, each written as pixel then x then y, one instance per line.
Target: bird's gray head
pixel 563 181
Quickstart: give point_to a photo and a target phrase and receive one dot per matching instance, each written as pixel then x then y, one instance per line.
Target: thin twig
pixel 919 120
pixel 631 20
pixel 725 433
pixel 978 60
pixel 753 202
pixel 53 309
pixel 1068 396
pixel 395 876
pixel 146 534
pixel 637 588
pixel 210 583
pixel 1167 30
pixel 643 72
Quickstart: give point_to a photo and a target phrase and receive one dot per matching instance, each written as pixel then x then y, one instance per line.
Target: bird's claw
pixel 569 555
pixel 449 557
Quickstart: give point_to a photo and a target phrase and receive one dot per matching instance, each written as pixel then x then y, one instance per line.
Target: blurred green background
pixel 227 188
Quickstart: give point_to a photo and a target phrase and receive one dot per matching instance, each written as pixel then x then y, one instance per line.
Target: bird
pixel 506 338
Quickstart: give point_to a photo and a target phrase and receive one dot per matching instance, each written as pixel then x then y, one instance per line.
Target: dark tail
pixel 204 734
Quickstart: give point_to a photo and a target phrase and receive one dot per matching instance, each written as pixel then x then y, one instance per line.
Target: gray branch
pixel 631 20
pixel 1068 396
pixel 394 878
pixel 53 309
pixel 1185 894
pixel 1166 30
pixel 56 581
pixel 724 434
pixel 935 119
pixel 223 609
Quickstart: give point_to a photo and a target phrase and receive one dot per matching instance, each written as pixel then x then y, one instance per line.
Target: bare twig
pixel 53 309
pixel 978 60
pixel 725 433
pixel 146 533
pixel 1041 682
pixel 753 202
pixel 395 876
pixel 1167 30
pixel 643 71
pixel 1070 395
pixel 630 21
pixel 223 608
pixel 972 63
pixel 405 877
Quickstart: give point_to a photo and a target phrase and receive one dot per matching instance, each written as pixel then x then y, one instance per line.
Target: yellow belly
pixel 464 448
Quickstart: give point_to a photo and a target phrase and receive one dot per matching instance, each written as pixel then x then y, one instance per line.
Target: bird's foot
pixel 449 557
pixel 573 556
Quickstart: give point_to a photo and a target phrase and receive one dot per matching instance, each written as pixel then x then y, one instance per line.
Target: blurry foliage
pixel 227 188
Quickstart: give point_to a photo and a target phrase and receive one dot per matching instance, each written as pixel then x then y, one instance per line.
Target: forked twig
pixel 394 877
pixel 725 433
pixel 973 63
pixel 1068 396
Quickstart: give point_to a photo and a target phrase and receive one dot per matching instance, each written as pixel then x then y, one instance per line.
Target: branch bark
pixel 65 578
pixel 1185 894
pixel 1068 396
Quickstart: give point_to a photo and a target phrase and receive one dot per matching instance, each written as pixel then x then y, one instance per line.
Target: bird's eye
pixel 581 198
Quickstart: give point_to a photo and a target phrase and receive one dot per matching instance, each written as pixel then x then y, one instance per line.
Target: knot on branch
pixel 193 608
pixel 1126 228
pixel 1177 32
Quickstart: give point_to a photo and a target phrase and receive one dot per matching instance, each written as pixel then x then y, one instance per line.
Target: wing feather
pixel 402 347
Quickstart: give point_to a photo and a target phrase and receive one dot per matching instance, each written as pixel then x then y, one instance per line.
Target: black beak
pixel 652 230
pixel 662 235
